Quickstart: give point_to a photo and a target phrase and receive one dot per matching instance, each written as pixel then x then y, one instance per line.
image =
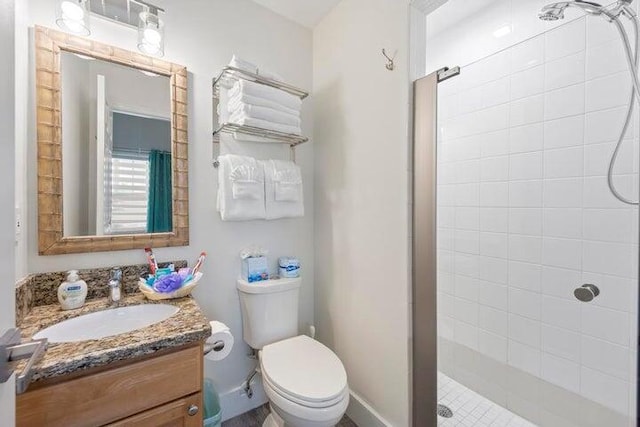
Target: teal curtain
pixel 159 209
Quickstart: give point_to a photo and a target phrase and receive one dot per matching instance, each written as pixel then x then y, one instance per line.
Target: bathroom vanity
pixel 150 376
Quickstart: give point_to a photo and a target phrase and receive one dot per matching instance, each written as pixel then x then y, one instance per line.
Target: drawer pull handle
pixel 193 410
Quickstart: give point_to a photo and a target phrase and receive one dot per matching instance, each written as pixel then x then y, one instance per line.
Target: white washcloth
pixel 253 68
pixel 241 119
pixel 283 189
pixel 264 113
pixel 240 188
pixel 240 99
pixel 267 92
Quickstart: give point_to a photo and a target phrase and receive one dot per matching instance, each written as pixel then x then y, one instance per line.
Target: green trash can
pixel 212 412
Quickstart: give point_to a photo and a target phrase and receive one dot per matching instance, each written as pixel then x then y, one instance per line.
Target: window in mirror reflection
pixel 116 143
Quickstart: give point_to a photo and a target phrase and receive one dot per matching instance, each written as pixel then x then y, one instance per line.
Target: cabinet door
pixel 185 412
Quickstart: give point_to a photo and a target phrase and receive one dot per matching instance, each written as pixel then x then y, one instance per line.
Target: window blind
pixel 126 202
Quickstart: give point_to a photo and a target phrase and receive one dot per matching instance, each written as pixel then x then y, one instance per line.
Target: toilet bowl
pixel 305 382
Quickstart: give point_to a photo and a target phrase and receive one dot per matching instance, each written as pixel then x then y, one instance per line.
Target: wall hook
pixel 390 64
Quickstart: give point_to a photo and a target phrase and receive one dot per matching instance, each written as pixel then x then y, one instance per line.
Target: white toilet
pixel 304 380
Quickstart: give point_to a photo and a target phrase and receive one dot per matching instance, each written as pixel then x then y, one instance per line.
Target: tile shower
pixel 525 217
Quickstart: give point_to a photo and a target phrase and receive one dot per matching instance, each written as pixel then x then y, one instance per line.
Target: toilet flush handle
pixel 312 331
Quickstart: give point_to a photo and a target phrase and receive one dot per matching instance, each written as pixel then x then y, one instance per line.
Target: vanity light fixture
pixel 151 32
pixel 73 16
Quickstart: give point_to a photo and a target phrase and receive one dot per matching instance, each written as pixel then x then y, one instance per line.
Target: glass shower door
pixel 537 260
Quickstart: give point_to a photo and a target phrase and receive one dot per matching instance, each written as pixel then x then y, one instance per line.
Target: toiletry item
pixel 199 262
pixel 289 267
pixel 73 292
pixel 255 269
pixel 151 259
pixel 115 287
pixel 167 284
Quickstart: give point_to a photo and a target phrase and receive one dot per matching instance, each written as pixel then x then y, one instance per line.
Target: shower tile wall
pixel 525 215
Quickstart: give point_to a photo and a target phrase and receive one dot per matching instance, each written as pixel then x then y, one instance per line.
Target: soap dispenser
pixel 73 292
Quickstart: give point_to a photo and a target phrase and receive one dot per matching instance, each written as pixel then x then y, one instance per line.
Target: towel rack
pixel 268 136
pixel 233 73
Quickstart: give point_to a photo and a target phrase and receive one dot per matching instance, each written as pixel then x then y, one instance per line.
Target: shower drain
pixel 444 411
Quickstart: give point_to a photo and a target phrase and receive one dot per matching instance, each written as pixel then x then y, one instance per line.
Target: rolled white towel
pixel 241 99
pixel 242 64
pixel 264 113
pixel 267 92
pixel 265 124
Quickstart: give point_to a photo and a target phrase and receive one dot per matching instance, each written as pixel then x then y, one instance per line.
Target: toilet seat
pixel 303 371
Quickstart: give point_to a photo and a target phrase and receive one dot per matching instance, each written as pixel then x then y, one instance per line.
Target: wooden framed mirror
pixel 112 170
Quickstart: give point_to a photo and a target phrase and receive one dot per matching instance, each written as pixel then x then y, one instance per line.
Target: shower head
pixel 553 14
pixel 555 11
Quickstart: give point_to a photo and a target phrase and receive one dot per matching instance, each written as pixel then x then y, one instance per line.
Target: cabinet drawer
pixel 107 396
pixel 172 414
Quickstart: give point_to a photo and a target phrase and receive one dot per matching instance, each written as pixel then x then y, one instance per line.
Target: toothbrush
pixel 153 265
pixel 199 262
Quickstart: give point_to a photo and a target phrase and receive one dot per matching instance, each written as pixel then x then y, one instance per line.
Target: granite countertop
pixel 187 326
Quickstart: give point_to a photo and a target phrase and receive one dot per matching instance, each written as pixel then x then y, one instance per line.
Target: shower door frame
pixel 424 267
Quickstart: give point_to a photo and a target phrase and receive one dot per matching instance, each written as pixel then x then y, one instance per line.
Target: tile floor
pixel 255 418
pixel 471 409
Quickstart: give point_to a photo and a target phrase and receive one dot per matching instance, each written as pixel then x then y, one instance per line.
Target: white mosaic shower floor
pixel 471 409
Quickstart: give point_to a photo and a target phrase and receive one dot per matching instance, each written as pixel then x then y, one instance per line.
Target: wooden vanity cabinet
pixel 164 390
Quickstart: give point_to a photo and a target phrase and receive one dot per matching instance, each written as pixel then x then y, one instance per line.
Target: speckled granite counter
pixel 187 326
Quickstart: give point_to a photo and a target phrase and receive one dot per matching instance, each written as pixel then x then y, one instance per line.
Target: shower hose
pixel 632 62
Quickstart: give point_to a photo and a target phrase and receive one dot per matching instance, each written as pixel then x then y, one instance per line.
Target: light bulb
pixel 72 11
pixel 152 36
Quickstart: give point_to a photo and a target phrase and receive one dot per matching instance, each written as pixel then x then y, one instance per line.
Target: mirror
pixel 112 147
pixel 116 148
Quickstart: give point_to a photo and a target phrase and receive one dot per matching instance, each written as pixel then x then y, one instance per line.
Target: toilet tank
pixel 269 310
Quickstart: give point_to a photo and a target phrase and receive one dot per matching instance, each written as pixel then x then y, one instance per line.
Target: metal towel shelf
pixel 230 74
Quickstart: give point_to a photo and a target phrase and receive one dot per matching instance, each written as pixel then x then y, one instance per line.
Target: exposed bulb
pixel 152 37
pixel 71 11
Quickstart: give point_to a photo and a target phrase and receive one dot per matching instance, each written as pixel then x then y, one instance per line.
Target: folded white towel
pixel 241 119
pixel 283 189
pixel 253 68
pixel 240 188
pixel 267 92
pixel 264 113
pixel 241 99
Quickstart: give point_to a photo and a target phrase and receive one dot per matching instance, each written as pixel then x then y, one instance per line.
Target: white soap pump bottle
pixel 73 292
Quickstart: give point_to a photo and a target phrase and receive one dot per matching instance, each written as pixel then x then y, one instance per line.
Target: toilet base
pixel 273 420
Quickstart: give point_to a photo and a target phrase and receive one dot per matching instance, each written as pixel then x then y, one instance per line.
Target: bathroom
pixel 446 243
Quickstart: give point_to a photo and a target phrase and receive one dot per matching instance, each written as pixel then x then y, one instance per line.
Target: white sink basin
pixel 106 323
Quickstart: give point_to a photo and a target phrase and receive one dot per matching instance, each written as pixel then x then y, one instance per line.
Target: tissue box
pixel 255 269
pixel 289 267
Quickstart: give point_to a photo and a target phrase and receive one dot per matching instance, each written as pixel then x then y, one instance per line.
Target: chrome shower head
pixel 551 15
pixel 555 11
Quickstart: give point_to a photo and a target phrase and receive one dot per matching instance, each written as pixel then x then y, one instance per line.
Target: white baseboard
pixel 235 402
pixel 363 414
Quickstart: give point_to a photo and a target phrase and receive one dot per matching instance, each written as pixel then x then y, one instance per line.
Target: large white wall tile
pixel 561 342
pixel 525 221
pixel 565 132
pixel 565 40
pixel 527 138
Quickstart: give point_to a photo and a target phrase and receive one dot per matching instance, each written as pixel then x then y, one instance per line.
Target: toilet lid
pixel 304 368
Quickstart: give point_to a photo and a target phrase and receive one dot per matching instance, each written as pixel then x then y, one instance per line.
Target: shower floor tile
pixel 471 409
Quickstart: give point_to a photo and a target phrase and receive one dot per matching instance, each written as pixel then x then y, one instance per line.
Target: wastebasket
pixel 212 412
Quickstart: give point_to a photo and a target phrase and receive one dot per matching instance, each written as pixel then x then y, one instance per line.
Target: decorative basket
pixel 184 291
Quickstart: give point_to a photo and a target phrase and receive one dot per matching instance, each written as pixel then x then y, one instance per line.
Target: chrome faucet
pixel 115 287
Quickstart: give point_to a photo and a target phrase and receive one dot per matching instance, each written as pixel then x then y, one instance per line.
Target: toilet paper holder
pixel 216 346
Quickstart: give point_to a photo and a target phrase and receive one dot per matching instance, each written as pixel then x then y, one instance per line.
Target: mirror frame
pixel 51 240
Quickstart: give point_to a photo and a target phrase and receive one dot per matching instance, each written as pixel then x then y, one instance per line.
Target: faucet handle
pixel 116 274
